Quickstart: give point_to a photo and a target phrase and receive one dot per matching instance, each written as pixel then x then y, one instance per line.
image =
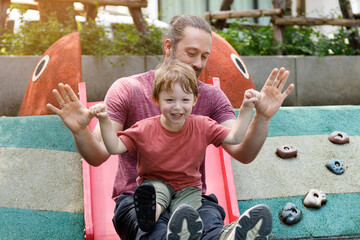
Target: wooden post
pixel 138 19
pixel 242 14
pixel 279 31
pixel 4 5
pixel 64 11
pixel 301 8
pixel 225 5
pixel 91 11
pixel 347 13
pixel 303 21
pixel 126 3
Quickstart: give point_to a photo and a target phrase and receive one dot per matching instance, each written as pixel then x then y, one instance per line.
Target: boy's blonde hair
pixel 175 72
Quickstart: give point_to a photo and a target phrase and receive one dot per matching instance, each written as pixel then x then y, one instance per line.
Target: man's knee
pixel 213 216
pixel 124 220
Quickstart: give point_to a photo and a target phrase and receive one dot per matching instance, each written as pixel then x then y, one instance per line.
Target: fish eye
pixel 240 65
pixel 40 68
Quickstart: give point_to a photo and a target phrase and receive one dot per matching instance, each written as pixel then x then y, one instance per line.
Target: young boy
pixel 171 146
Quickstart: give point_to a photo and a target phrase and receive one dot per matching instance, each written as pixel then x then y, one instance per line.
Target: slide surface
pixel 98 184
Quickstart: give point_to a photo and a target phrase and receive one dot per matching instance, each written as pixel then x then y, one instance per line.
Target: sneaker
pixel 255 223
pixel 145 206
pixel 184 224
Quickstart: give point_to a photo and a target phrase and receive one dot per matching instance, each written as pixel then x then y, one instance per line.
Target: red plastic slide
pixel 98 183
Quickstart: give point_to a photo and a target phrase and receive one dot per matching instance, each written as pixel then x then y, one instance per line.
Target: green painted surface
pixel 296 121
pixel 340 216
pixel 37 225
pixel 46 132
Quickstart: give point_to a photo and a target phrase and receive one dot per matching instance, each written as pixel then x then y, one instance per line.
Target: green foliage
pixel 127 41
pixel 250 40
pixel 34 38
pixel 123 39
pixel 95 40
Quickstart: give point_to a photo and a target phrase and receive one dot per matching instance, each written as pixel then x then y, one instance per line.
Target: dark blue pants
pixel 125 222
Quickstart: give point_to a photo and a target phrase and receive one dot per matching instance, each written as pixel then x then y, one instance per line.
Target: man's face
pixel 193 49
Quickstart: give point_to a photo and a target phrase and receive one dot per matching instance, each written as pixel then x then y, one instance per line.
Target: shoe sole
pixel 145 206
pixel 255 223
pixel 185 224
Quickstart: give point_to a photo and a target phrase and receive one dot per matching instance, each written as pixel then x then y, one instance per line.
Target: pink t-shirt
pixel 174 157
pixel 129 100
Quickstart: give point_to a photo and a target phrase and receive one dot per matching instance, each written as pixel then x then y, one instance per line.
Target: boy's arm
pixel 241 124
pixel 113 144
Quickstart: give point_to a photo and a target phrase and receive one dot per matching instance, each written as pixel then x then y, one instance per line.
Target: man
pixel 129 99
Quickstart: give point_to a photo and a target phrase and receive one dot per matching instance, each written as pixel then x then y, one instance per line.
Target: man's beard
pixel 198 71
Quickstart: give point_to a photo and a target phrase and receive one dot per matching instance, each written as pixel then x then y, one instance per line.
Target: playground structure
pixel 268 179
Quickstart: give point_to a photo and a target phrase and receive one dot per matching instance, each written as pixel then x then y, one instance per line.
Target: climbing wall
pixel 278 181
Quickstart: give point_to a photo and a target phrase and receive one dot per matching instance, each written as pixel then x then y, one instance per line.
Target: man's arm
pixel 270 102
pixel 77 117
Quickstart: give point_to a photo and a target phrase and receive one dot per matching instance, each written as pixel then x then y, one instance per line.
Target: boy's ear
pixel 195 100
pixel 155 101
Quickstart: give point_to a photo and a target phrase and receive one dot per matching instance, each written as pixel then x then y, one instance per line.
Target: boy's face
pixel 194 49
pixel 175 106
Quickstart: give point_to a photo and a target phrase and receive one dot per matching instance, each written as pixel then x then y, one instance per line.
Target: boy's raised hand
pixel 251 98
pixel 75 115
pixel 99 110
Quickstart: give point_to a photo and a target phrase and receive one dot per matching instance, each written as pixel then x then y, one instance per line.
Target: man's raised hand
pixel 272 96
pixel 75 115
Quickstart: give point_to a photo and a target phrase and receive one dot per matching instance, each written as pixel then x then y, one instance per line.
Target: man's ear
pixel 195 100
pixel 168 48
pixel 155 101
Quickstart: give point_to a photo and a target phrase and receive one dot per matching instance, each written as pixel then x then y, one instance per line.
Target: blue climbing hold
pixel 335 166
pixel 290 214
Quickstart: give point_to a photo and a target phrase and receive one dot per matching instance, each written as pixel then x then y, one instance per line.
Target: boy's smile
pixel 175 106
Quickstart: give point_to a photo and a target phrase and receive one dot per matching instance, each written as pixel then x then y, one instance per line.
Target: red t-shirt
pixel 129 101
pixel 174 157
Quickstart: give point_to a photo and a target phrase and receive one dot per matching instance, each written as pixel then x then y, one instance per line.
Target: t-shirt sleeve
pixel 216 132
pixel 129 137
pixel 118 100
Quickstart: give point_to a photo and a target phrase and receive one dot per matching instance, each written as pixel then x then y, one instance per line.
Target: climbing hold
pixel 290 214
pixel 315 198
pixel 336 166
pixel 286 151
pixel 339 137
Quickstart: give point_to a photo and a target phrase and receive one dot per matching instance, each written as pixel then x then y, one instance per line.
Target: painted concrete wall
pixel 40 180
pixel 319 81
